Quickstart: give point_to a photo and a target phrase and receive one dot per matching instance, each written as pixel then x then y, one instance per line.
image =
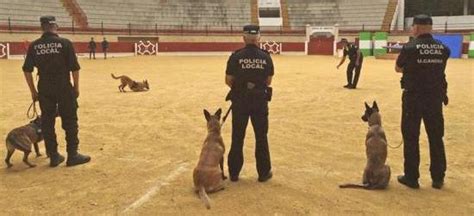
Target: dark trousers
pixel 257 111
pixel 105 53
pixel 353 73
pixel 64 101
pixel 91 53
pixel 416 107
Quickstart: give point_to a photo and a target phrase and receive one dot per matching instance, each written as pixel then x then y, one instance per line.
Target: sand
pixel 145 145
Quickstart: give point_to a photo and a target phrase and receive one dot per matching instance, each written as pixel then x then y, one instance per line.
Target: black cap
pixel 343 40
pixel 422 19
pixel 252 29
pixel 47 20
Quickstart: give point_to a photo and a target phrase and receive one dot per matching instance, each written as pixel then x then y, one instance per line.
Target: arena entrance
pixel 321 40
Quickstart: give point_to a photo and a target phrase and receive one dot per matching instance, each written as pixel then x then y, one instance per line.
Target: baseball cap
pixel 252 29
pixel 47 20
pixel 422 19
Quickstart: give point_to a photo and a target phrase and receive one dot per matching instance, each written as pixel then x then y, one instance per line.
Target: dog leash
pixel 401 142
pixel 34 114
pixel 226 115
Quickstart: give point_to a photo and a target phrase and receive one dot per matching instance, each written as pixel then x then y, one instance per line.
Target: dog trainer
pixel 422 62
pixel 249 74
pixel 356 58
pixel 54 57
pixel 92 46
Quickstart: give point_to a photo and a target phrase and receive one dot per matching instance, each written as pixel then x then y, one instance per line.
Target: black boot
pixel 407 182
pixel 55 159
pixel 76 159
pixel 266 177
pixel 438 184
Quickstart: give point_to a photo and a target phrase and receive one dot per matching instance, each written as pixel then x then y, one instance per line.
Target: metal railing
pixel 128 28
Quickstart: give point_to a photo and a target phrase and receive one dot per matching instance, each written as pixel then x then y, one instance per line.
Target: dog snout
pixel 364 118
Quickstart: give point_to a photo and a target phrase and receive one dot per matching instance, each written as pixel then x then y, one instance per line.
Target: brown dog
pixel 22 138
pixel 133 85
pixel 376 173
pixel 207 175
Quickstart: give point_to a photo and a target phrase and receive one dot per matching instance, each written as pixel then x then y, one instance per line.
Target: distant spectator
pixel 92 47
pixel 105 46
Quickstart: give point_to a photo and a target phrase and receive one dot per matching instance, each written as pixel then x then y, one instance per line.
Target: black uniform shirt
pixel 351 51
pixel 92 45
pixel 250 64
pixel 424 61
pixel 105 44
pixel 53 56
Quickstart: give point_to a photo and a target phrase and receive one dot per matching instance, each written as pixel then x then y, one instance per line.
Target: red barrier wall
pixel 321 46
pixel 293 47
pixel 317 46
pixel 198 47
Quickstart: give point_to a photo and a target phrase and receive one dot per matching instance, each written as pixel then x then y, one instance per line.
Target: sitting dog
pixel 133 85
pixel 22 138
pixel 207 176
pixel 376 173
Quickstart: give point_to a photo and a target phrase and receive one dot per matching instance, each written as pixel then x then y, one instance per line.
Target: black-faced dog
pixel 376 173
pixel 22 138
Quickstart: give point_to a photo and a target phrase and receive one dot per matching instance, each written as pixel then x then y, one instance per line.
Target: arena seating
pixel 147 13
pixel 347 13
pixel 27 12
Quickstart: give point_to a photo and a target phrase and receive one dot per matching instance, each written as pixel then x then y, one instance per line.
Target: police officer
pixel 249 74
pixel 105 46
pixel 422 62
pixel 356 58
pixel 92 46
pixel 55 59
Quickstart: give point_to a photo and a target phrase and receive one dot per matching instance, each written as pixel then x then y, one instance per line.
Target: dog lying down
pixel 208 175
pixel 22 138
pixel 376 173
pixel 133 85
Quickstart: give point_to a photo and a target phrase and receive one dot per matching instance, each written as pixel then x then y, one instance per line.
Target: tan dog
pixel 376 173
pixel 22 139
pixel 133 85
pixel 207 175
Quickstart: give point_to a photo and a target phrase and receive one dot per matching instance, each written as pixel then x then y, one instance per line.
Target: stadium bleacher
pixel 346 13
pixel 27 12
pixel 147 13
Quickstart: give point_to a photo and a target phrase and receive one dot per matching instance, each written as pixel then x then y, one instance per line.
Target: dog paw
pixel 224 177
pixel 9 166
pixel 32 165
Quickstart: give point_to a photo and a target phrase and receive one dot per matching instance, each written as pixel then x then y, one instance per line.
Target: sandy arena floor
pixel 145 145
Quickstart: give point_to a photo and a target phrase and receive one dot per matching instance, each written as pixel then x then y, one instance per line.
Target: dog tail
pixel 113 76
pixel 204 197
pixel 355 186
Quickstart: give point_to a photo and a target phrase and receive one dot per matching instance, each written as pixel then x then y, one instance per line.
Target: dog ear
pixel 374 106
pixel 207 115
pixel 218 113
pixel 366 105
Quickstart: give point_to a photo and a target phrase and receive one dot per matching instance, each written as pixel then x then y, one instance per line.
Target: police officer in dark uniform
pixel 249 75
pixel 55 59
pixel 356 58
pixel 105 47
pixel 92 47
pixel 422 62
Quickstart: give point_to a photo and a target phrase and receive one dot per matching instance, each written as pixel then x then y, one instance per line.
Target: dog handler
pixel 54 57
pixel 249 74
pixel 356 58
pixel 422 62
